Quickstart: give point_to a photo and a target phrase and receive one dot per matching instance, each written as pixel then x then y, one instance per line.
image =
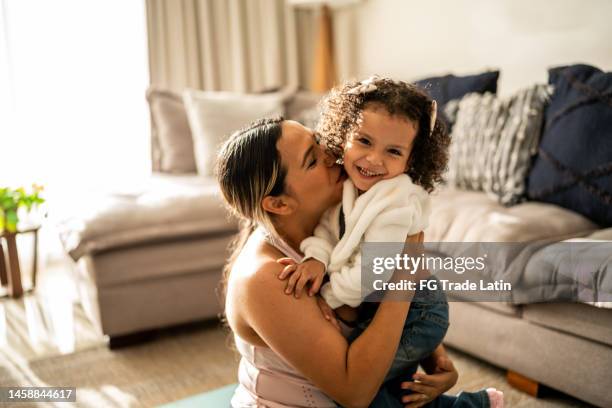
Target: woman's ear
pixel 280 205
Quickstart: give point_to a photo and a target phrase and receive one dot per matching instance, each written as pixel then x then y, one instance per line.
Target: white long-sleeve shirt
pixel 388 212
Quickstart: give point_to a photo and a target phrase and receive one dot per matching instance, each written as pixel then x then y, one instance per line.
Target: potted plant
pixel 11 200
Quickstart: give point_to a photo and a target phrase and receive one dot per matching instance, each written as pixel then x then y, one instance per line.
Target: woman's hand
pixel 328 313
pixel 427 387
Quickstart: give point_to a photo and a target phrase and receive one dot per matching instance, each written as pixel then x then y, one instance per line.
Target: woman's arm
pixel 441 376
pixel 297 331
pixel 430 362
pixel 351 374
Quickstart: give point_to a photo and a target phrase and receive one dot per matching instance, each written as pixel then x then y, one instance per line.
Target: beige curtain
pixel 310 50
pixel 229 45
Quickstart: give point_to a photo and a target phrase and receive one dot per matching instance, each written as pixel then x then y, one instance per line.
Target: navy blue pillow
pixel 446 88
pixel 573 168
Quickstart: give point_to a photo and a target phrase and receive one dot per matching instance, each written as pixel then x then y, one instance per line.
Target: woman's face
pixel 312 178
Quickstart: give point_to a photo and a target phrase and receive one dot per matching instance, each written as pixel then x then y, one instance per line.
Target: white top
pixel 387 212
pixel 265 379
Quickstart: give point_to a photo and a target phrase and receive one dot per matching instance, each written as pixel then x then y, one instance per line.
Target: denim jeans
pixel 388 399
pixel 424 329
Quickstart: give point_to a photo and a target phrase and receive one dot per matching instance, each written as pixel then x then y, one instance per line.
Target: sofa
pixel 152 257
pixel 565 346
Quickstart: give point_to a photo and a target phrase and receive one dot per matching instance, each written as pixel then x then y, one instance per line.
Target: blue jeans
pixel 388 399
pixel 424 329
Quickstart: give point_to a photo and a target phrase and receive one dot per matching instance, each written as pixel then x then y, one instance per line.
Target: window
pixel 73 76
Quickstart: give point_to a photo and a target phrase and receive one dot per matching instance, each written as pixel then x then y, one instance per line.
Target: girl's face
pixel 380 148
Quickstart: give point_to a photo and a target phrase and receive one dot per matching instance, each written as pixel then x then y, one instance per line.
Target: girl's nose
pixel 374 159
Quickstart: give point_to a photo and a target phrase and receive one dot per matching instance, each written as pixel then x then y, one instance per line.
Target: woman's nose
pixel 328 159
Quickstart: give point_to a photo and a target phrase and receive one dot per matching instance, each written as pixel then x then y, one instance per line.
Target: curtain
pixel 343 53
pixel 229 45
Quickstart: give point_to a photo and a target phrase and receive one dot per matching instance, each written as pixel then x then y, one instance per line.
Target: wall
pixel 409 40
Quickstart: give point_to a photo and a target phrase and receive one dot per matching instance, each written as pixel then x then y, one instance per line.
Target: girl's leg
pixel 479 399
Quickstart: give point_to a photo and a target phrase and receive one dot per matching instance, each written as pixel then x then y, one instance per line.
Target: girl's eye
pixel 395 152
pixel 312 163
pixel 364 141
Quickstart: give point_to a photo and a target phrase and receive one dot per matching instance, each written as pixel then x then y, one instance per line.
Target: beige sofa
pixel 152 257
pixel 566 346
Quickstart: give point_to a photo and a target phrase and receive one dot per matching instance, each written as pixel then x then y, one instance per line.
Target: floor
pixel 46 339
pixel 48 321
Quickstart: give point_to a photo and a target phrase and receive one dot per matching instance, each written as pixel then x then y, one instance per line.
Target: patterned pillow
pixel 494 140
pixel 574 164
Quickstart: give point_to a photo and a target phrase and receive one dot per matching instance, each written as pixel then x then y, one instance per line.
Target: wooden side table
pixel 10 271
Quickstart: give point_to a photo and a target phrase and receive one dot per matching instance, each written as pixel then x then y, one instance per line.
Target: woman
pixel 274 176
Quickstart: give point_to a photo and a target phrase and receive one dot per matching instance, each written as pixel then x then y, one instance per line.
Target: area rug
pixel 184 362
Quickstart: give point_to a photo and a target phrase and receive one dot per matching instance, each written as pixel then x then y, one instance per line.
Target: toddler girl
pixel 394 151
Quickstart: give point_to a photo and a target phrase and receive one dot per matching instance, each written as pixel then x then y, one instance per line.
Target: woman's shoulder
pixel 256 267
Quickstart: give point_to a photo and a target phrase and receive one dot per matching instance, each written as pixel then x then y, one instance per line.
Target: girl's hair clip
pixel 433 115
pixel 365 86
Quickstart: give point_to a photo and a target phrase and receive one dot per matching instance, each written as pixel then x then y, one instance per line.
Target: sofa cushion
pixel 574 164
pixel 494 140
pixel 163 207
pixel 602 234
pixel 162 260
pixel 215 115
pixel 574 318
pixel 171 136
pixel 470 216
pixel 448 87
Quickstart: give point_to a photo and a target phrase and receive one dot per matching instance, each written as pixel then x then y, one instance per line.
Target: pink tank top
pixel 265 379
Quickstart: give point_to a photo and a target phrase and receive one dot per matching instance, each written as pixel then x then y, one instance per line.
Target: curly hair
pixel 342 117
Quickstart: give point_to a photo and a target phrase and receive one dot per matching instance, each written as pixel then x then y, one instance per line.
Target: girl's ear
pixel 279 205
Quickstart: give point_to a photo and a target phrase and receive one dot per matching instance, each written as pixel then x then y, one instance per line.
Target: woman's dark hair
pixel 342 116
pixel 248 169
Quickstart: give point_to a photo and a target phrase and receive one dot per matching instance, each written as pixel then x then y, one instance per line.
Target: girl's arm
pixel 351 374
pixel 321 244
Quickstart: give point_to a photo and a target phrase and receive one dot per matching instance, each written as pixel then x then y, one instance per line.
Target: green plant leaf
pixel 11 220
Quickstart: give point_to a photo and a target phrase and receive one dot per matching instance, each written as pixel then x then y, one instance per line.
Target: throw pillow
pixel 494 140
pixel 446 88
pixel 574 164
pixel 215 115
pixel 304 108
pixel 172 144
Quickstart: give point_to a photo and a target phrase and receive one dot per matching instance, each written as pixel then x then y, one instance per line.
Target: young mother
pixel 279 181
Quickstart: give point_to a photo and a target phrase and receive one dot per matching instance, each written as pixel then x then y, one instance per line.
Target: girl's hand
pixel 427 387
pixel 310 272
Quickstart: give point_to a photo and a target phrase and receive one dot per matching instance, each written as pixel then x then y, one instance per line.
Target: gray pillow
pixel 172 144
pixel 304 108
pixel 493 141
pixel 215 115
